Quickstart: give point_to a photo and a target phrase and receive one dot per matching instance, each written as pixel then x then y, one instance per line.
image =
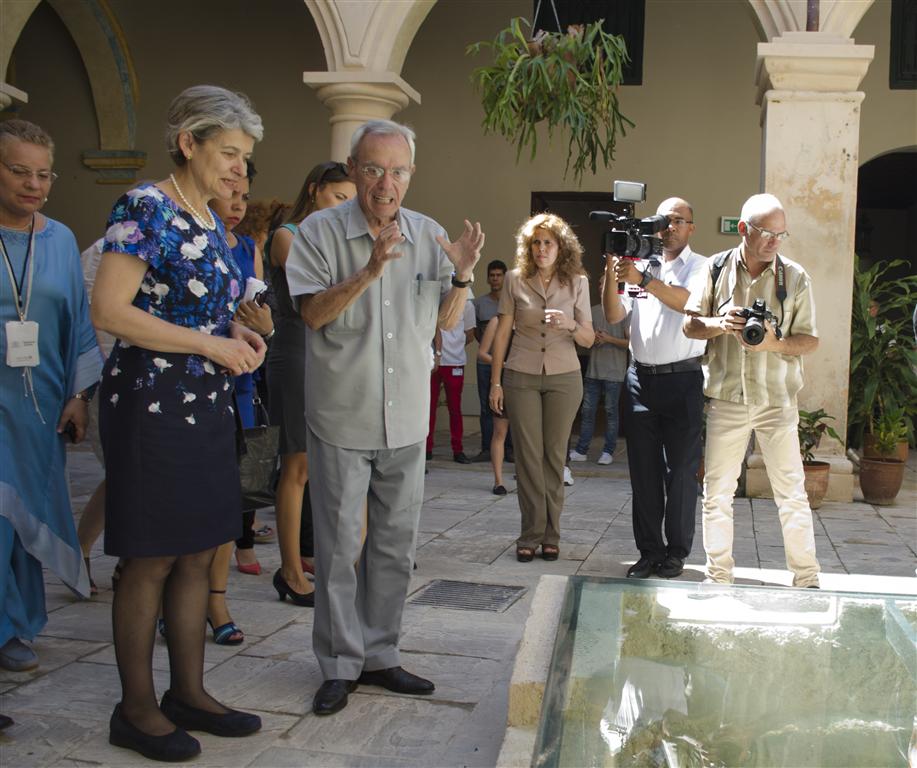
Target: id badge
pixel 22 344
pixel 458 371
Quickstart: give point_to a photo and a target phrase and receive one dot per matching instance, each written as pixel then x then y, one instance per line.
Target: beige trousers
pixel 729 426
pixel 541 409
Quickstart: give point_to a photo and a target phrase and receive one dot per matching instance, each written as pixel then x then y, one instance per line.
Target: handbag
pixel 258 459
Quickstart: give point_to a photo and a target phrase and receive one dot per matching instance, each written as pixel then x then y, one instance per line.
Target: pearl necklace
pixel 191 209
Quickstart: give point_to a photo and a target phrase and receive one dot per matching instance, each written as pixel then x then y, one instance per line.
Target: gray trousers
pixel 358 609
pixel 541 409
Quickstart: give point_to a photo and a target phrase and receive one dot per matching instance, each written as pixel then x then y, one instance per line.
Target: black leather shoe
pixel 231 723
pixel 331 696
pixel 297 598
pixel 398 680
pixel 172 748
pixel 5 722
pixel 499 490
pixel 429 455
pixel 671 567
pixel 642 569
pixel 460 458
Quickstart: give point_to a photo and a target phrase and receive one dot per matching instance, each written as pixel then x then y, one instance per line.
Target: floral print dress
pixel 167 420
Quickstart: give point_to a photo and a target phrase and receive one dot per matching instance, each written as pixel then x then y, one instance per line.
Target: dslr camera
pixel 754 331
pixel 631 237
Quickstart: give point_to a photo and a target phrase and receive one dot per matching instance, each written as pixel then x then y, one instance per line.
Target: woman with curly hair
pixel 545 299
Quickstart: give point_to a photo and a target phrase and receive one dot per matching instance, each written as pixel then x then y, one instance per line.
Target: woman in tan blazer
pixel 546 300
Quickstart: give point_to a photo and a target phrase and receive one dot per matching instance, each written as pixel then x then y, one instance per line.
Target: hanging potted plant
pixel 883 357
pixel 566 79
pixel 812 427
pixel 881 477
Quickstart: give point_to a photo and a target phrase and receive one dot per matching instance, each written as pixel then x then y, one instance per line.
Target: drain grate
pixel 468 596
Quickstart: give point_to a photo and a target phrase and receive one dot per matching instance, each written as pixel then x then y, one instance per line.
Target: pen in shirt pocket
pixel 419 280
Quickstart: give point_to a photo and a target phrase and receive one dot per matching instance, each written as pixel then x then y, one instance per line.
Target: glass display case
pixel 653 673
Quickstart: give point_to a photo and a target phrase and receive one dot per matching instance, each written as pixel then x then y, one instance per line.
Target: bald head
pixel 759 206
pixel 674 202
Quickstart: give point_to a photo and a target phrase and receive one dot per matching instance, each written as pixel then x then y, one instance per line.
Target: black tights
pixel 182 585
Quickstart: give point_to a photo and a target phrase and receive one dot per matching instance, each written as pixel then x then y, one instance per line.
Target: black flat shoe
pixel 398 680
pixel 5 722
pixel 285 590
pixel 499 490
pixel 331 696
pixel 174 747
pixel 231 724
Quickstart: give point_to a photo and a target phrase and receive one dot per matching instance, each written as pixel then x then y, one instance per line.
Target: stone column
pixel 810 117
pixel 355 97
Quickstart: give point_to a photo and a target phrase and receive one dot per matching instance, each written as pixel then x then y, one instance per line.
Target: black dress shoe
pixel 331 696
pixel 429 455
pixel 230 724
pixel 5 722
pixel 285 590
pixel 671 567
pixel 398 680
pixel 642 569
pixel 460 458
pixel 172 748
pixel 499 490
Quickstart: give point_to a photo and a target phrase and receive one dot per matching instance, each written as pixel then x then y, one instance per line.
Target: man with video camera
pixel 757 312
pixel 665 384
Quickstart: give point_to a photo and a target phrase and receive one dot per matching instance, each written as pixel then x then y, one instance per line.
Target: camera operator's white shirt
pixel 656 337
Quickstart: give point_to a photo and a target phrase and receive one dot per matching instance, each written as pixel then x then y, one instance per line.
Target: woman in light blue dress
pixel 43 396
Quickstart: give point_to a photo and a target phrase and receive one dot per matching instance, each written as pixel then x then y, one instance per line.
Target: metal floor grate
pixel 467 596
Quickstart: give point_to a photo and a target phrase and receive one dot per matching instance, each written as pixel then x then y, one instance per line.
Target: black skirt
pixel 171 471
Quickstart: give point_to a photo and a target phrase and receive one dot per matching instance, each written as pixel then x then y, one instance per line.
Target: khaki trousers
pixel 729 426
pixel 541 409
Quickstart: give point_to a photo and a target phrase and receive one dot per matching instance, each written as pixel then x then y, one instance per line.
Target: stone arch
pixel 836 17
pixel 112 79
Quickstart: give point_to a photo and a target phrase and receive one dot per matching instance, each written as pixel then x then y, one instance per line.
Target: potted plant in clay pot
pixel 883 357
pixel 812 427
pixel 881 477
pixel 567 79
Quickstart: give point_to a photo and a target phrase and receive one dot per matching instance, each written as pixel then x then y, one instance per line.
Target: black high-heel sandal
pixel 285 590
pixel 93 589
pixel 228 633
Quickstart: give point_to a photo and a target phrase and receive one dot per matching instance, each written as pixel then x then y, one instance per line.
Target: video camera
pixel 631 237
pixel 754 331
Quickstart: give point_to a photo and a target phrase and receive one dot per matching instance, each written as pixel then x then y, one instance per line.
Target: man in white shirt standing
pixel 665 383
pixel 449 373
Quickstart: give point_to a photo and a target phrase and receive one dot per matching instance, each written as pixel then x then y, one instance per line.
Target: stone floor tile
pixel 263 684
pixel 384 726
pixel 461 633
pixel 53 653
pixel 278 757
pixel 41 740
pixel 81 620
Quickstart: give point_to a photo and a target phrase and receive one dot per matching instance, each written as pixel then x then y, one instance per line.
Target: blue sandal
pixel 228 633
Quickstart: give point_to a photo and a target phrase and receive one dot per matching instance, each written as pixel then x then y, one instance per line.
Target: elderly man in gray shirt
pixel 373 281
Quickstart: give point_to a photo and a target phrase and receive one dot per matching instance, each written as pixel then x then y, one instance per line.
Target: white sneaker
pixel 605 458
pixel 568 476
pixel 575 455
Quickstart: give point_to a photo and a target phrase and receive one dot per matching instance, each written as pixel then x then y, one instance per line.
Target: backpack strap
pixel 719 261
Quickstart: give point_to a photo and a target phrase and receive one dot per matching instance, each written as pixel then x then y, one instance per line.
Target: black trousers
pixel 663 452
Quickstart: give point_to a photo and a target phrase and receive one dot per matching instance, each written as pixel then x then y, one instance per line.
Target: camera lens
pixel 753 332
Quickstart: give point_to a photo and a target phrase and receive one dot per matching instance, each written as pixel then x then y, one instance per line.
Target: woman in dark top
pixel 167 288
pixel 326 185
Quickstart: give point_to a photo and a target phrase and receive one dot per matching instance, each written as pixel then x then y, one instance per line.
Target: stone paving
pixel 61 710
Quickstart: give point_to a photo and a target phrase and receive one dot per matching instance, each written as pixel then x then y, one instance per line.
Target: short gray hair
pixel 27 132
pixel 381 128
pixel 205 110
pixel 759 205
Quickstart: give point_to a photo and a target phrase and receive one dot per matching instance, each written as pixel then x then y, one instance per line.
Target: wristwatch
pixel 269 336
pixel 461 283
pixel 645 280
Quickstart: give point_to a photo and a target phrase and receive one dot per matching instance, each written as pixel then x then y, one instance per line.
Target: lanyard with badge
pixel 22 334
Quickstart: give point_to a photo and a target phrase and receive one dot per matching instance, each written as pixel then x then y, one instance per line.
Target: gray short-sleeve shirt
pixel 368 370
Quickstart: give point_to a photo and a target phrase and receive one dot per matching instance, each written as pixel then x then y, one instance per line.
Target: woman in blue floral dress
pixel 167 288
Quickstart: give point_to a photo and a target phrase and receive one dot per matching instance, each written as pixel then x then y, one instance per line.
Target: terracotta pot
pixel 880 480
pixel 816 481
pixel 870 452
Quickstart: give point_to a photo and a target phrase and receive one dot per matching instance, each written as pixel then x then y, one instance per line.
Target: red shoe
pixel 252 569
pixel 307 567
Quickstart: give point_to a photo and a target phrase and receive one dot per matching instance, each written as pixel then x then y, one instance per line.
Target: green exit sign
pixel 729 225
